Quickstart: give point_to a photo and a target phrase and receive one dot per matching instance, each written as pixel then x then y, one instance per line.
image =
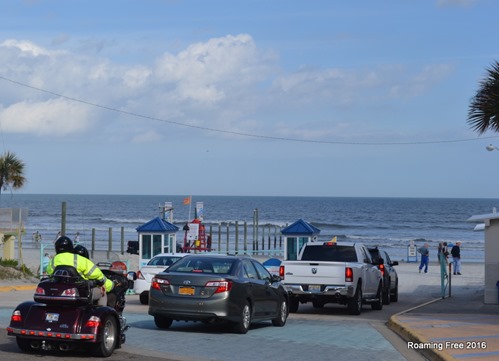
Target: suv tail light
pixel 281 272
pixel 222 286
pixel 348 274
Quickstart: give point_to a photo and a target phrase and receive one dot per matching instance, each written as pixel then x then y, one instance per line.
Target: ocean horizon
pixel 388 222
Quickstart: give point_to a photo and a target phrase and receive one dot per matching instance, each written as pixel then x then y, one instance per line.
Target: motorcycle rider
pixel 65 256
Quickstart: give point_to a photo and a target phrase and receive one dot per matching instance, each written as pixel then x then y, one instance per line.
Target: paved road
pixel 322 333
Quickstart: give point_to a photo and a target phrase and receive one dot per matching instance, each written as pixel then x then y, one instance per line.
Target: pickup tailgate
pixel 316 273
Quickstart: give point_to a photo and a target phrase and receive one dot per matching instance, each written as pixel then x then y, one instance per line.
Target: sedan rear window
pixel 203 265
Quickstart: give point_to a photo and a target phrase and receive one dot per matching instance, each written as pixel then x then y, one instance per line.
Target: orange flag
pixel 187 200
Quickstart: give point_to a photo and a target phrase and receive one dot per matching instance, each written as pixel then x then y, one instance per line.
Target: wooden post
pixel 122 240
pixel 63 219
pixel 219 238
pixel 237 238
pixel 211 238
pixel 110 243
pixel 263 238
pixel 275 237
pixel 228 232
pixel 93 242
pixel 245 237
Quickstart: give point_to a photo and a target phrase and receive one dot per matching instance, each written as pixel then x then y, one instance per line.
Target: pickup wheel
pixel 354 305
pixel 293 304
pixel 378 304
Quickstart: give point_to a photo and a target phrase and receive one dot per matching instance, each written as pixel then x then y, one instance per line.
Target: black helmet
pixel 63 244
pixel 82 251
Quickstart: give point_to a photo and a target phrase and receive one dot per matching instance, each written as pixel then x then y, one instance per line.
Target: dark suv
pixel 390 277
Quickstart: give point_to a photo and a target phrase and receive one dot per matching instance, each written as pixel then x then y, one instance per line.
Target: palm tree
pixel 483 113
pixel 11 172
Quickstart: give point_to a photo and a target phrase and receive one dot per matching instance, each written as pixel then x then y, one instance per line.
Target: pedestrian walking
pixel 456 258
pixel 425 255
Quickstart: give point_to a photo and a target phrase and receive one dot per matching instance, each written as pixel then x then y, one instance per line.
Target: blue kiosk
pixel 296 235
pixel 155 237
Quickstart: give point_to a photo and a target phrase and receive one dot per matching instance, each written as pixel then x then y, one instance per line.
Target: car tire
pixel 144 298
pixel 107 344
pixel 386 293
pixel 163 322
pixel 394 296
pixel 293 305
pixel 242 326
pixel 282 314
pixel 354 304
pixel 378 305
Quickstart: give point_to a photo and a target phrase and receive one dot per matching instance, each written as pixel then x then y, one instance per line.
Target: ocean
pixel 391 223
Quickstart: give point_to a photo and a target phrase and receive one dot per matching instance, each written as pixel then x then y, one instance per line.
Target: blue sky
pixel 316 98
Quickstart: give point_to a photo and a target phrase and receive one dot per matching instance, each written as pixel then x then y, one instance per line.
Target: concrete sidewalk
pixel 460 327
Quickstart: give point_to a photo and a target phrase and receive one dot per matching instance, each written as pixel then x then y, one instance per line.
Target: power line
pixel 261 136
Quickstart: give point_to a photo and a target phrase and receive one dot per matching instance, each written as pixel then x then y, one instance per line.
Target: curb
pixel 17 288
pixel 407 334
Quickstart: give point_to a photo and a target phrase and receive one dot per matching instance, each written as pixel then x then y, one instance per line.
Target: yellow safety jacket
pixel 85 267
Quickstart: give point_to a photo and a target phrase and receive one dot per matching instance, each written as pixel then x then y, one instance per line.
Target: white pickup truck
pixel 333 272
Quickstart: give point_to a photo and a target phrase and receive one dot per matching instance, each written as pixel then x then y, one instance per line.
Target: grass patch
pixel 10 269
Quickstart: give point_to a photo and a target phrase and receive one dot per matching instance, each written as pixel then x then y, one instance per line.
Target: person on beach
pixel 456 258
pixel 65 256
pixel 425 257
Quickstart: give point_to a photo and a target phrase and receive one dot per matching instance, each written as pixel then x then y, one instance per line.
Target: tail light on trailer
pixel 93 321
pixel 348 274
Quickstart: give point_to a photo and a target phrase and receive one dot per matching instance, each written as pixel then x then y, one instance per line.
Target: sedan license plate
pixel 188 291
pixel 52 317
pixel 314 288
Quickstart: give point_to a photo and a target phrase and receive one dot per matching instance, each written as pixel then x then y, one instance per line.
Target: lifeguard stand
pixel 296 236
pixel 155 237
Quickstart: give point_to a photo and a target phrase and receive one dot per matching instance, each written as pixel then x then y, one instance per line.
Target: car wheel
pixel 144 298
pixel 242 326
pixel 163 322
pixel 282 314
pixel 293 305
pixel 106 346
pixel 354 305
pixel 23 344
pixel 386 294
pixel 378 305
pixel 394 296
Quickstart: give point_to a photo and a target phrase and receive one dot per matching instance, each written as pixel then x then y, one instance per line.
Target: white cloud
pixel 147 137
pixel 52 117
pixel 28 48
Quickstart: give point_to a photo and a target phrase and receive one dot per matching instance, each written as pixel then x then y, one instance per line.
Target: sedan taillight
pixel 157 282
pixel 222 286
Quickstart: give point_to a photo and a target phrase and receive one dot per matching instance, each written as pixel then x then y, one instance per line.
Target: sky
pixel 259 98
